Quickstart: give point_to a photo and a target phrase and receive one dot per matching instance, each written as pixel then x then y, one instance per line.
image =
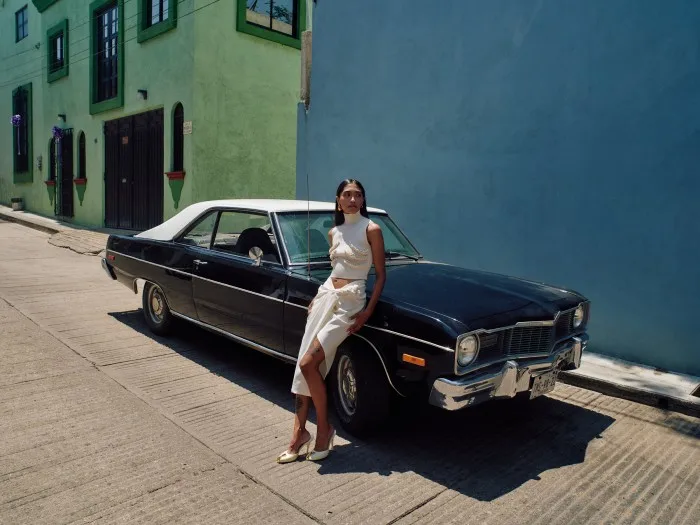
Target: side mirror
pixel 256 254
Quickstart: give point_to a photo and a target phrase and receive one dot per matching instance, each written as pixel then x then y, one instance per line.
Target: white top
pixel 351 253
pixel 176 224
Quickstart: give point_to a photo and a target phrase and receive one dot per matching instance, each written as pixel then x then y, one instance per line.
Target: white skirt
pixel 329 319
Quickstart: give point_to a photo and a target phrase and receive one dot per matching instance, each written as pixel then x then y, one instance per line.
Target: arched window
pixel 52 159
pixel 178 139
pixel 82 171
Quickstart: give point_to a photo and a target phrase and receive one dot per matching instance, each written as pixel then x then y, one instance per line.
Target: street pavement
pixel 101 421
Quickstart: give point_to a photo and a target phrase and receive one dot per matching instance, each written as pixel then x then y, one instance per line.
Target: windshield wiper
pixel 390 254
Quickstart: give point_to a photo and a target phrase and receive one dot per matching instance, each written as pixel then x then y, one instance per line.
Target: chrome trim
pixel 197 276
pixel 381 360
pixel 512 378
pixel 284 245
pixel 238 339
pixel 445 348
pixel 107 270
pixel 461 370
pixel 274 233
pixel 239 289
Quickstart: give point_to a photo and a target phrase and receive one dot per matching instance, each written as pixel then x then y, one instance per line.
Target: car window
pixel 200 234
pixel 240 232
pixel 306 236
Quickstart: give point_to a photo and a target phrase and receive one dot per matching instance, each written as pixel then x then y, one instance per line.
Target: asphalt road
pixel 103 422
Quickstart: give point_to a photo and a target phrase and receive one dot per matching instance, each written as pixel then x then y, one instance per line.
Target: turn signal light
pixel 413 360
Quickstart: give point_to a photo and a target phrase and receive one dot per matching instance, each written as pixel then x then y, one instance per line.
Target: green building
pixel 118 113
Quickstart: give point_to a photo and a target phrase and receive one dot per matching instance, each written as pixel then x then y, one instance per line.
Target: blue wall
pixel 553 140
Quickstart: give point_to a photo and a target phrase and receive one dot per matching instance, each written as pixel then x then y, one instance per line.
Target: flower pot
pixel 17 203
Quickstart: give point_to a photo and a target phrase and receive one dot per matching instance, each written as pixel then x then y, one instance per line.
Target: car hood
pixel 469 296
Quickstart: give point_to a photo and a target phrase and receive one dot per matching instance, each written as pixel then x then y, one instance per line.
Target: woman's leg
pixel 301 414
pixel 309 365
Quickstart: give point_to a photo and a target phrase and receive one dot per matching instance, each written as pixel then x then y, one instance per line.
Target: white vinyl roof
pixel 176 224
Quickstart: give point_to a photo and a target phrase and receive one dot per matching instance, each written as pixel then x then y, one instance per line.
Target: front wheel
pixel 155 309
pixel 360 391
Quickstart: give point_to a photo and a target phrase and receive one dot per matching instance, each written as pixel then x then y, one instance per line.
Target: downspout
pixel 305 91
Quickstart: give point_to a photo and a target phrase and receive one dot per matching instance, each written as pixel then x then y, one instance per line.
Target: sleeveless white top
pixel 351 253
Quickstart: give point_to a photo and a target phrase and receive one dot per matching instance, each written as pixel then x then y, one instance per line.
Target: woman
pixel 337 311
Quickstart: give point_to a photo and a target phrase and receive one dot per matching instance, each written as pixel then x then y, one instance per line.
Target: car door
pixel 235 291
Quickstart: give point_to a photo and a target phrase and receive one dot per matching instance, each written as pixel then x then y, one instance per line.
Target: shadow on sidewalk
pixel 484 452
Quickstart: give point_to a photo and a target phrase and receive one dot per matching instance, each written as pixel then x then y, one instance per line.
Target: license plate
pixel 543 383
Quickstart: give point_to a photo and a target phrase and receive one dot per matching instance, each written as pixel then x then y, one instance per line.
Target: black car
pixel 247 269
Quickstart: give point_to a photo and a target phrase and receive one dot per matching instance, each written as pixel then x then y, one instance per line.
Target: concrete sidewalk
pixel 600 373
pixel 77 447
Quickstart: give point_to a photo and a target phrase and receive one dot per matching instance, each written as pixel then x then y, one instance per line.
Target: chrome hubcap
pixel 157 303
pixel 347 385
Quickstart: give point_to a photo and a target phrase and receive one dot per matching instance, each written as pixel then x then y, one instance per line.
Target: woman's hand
pixel 360 319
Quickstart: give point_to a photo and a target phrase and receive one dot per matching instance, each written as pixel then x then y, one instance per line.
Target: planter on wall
pixel 80 189
pixel 176 180
pixel 51 190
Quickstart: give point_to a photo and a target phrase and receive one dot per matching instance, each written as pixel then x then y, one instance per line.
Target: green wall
pixel 245 94
pixel 239 91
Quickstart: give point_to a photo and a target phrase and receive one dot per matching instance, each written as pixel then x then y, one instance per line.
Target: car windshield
pixel 307 237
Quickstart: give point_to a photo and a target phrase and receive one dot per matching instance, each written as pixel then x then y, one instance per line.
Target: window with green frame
pixel 106 55
pixel 281 21
pixel 57 57
pixel 155 18
pixel 22 134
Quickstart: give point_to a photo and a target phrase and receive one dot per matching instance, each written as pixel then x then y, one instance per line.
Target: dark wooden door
pixel 66 184
pixel 134 171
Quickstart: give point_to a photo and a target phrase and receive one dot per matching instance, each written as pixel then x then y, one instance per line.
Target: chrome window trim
pixel 458 370
pixel 176 239
pixel 195 276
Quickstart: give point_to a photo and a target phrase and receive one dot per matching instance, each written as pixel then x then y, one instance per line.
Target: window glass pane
pixel 240 232
pixel 283 16
pixel 200 235
pixel 296 235
pixel 258 12
pixel 165 10
pixel 155 11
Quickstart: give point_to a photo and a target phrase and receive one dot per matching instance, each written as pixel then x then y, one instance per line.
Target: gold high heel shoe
pixel 288 456
pixel 318 455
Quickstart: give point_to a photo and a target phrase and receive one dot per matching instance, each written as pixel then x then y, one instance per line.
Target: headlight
pixel 579 315
pixel 467 348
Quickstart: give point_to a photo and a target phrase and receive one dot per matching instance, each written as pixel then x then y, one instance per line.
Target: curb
pixel 25 222
pixel 645 397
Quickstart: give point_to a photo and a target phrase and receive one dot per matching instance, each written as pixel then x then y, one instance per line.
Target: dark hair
pixel 339 216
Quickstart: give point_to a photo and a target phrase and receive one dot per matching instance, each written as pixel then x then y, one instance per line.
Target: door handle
pixel 197 263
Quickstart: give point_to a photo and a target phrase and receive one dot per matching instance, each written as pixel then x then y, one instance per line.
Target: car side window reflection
pixel 200 234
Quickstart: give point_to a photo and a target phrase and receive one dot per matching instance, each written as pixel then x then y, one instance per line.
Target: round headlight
pixel 579 314
pixel 467 347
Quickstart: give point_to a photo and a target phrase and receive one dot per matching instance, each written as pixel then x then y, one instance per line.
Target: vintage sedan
pixel 247 269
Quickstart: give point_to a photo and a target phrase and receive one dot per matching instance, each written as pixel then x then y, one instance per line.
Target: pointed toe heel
pixel 319 455
pixel 290 457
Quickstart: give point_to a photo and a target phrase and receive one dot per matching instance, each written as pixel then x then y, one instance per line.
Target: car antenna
pixel 308 204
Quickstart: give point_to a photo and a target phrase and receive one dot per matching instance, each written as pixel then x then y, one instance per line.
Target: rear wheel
pixel 156 311
pixel 360 391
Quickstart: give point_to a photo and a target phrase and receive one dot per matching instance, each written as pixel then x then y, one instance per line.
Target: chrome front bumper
pixel 512 378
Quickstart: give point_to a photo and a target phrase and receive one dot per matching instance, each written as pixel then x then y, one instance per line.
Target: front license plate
pixel 543 383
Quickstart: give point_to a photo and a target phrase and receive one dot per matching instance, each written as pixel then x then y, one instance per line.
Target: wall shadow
pixel 484 452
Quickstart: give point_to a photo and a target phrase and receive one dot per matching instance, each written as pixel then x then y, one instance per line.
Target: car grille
pixel 520 340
